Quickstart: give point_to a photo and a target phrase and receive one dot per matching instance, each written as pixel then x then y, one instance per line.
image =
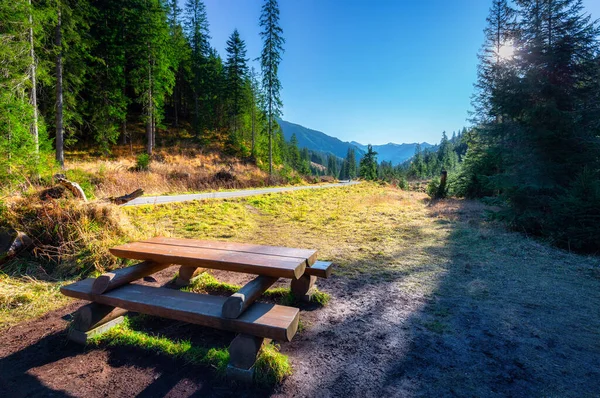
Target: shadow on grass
pixel 491 313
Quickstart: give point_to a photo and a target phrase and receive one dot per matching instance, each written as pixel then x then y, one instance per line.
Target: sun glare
pixel 507 50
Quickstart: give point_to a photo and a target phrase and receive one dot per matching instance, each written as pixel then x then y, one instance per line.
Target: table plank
pixel 309 255
pixel 251 263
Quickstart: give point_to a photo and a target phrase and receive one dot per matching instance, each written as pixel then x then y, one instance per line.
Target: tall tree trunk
pixel 253 121
pixel 150 116
pixel 124 132
pixel 153 129
pixel 34 127
pixel 176 101
pixel 60 155
pixel 270 143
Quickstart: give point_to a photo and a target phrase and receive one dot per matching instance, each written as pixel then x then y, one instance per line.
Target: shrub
pixel 142 162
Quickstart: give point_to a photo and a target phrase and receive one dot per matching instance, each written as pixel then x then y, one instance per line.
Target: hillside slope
pixel 319 141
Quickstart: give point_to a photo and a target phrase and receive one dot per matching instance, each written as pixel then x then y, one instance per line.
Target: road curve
pixel 156 200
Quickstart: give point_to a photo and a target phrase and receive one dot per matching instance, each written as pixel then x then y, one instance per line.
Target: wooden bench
pixel 112 294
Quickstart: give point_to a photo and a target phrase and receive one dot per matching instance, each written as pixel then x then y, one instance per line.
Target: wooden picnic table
pixel 112 294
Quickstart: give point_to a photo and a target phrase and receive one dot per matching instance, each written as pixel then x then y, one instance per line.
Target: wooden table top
pixel 229 256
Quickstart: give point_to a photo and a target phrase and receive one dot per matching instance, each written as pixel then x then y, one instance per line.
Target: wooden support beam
pixel 82 337
pixel 238 302
pixel 119 277
pixel 186 274
pixel 320 269
pixel 244 349
pixel 93 319
pixel 93 315
pixel 301 286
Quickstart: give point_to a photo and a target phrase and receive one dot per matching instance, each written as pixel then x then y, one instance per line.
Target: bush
pixel 143 162
pixel 575 215
pixel 437 190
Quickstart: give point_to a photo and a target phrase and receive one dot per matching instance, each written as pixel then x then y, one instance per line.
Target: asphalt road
pixel 154 200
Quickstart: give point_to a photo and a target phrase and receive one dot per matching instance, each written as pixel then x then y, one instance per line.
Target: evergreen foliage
pixel 273 41
pixel 368 164
pixel 537 139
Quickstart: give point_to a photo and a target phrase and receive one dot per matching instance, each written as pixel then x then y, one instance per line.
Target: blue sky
pixel 372 71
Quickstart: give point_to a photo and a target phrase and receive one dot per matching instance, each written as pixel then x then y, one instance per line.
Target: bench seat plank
pixel 309 255
pixel 264 320
pixel 251 263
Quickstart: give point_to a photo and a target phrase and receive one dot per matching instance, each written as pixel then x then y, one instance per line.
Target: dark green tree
pixel 272 36
pixel 368 164
pixel 236 73
pixel 196 29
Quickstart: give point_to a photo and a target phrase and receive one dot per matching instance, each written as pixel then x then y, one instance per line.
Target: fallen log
pixel 126 198
pixel 12 243
pixel 74 187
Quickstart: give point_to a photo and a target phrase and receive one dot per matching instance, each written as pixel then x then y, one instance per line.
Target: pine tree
pixel 71 52
pixel 236 72
pixel 152 74
pixel 180 52
pixel 368 164
pixel 332 169
pixel 17 114
pixel 270 58
pixel 196 29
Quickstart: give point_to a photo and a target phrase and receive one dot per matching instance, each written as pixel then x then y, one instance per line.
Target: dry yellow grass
pixel 171 171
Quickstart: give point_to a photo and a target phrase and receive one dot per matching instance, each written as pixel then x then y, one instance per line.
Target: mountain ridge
pixel 318 141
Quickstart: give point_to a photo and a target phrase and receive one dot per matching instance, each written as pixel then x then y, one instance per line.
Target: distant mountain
pixel 395 153
pixel 316 140
pixel 319 141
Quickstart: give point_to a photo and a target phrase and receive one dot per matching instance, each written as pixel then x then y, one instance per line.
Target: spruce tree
pixel 196 29
pixel 236 72
pixel 368 164
pixel 272 36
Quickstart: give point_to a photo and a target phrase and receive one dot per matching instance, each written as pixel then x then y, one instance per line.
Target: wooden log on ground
pixel 12 243
pixel 127 198
pixel 74 187
pixel 244 349
pixel 186 274
pixel 92 315
pixel 112 280
pixel 238 302
pixel 302 286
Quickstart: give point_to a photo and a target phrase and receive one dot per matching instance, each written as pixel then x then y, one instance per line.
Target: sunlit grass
pixel 271 366
pixel 363 228
pixel 207 283
pixel 23 298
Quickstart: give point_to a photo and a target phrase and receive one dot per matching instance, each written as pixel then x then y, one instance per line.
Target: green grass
pixel 271 366
pixel 207 283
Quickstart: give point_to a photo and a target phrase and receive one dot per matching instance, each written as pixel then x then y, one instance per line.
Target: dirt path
pixel 241 193
pixel 485 313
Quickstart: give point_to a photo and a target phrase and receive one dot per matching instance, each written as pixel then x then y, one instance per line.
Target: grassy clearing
pixel 364 229
pixel 271 366
pixel 206 283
